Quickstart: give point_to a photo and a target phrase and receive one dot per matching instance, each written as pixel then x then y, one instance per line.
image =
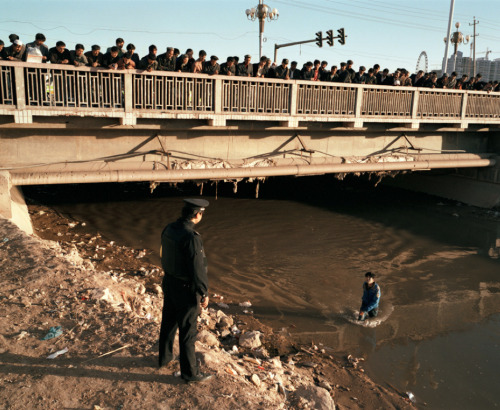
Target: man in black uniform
pixel 185 288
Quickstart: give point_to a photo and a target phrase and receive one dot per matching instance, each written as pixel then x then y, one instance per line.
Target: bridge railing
pixel 46 87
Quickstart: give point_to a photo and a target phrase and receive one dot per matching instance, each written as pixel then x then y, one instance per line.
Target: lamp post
pixel 261 12
pixel 457 38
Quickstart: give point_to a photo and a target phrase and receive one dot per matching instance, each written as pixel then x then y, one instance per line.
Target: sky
pixel 390 33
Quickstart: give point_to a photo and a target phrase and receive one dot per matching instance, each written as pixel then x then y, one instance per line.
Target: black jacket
pixel 183 256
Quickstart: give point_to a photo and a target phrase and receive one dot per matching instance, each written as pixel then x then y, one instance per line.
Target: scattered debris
pixel 411 396
pixel 53 332
pixel 58 353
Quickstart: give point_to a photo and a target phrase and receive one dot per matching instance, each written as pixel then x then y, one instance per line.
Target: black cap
pixel 196 204
pixel 284 61
pixel 369 275
pixel 214 58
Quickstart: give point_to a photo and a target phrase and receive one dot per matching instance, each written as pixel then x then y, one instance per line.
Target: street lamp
pixel 261 12
pixel 457 38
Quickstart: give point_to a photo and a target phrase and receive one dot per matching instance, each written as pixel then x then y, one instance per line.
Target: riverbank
pixel 107 301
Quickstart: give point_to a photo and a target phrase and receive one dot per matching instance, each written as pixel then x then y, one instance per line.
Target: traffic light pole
pixel 276 46
pixel 318 40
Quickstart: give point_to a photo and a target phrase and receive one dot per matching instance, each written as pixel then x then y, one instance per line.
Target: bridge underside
pixel 71 140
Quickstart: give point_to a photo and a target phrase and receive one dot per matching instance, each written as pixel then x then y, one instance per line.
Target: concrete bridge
pixel 61 124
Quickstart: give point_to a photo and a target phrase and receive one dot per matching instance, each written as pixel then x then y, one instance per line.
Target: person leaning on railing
pixel 78 59
pixel 59 54
pixel 197 66
pixel 134 56
pixel 111 58
pixel 166 61
pixel 94 57
pixel 3 52
pixel 228 68
pixel 182 65
pixel 119 43
pixel 245 69
pixel 37 49
pixel 331 75
pixel 343 76
pixel 211 67
pixel 16 51
pixel 282 72
pixel 360 77
pixel 149 63
pixel 370 78
pixel 260 69
pixel 126 62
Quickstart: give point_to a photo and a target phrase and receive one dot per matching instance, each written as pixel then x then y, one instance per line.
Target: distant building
pixel 490 70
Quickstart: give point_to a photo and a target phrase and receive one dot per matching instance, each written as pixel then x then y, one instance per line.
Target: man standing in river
pixel 185 288
pixel 371 297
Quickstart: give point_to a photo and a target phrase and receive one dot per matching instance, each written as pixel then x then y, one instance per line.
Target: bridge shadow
pixel 127 369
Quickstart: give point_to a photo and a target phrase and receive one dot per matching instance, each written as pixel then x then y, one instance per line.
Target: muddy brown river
pixel 299 254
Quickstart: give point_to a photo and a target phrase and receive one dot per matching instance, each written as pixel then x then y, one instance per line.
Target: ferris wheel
pixel 425 67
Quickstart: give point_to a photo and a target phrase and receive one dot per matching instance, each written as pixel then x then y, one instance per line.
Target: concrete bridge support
pixel 12 204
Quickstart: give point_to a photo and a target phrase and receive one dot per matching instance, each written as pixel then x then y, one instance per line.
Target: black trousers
pixel 180 310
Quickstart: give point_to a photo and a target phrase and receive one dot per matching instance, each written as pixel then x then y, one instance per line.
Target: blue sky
pixel 391 33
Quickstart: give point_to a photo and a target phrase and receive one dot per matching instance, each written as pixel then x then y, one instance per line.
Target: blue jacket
pixel 371 297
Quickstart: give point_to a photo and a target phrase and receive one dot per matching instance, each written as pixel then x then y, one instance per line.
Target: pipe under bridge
pixel 61 124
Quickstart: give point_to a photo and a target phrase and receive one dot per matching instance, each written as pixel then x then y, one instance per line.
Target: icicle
pixel 235 187
pixel 201 188
pixel 257 189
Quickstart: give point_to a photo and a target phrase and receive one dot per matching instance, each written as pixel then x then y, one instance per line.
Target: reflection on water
pixel 302 262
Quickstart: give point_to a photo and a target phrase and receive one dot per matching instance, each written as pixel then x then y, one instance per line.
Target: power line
pixel 204 33
pixel 361 16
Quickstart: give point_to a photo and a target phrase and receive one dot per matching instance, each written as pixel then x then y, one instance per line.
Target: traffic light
pixel 319 39
pixel 341 36
pixel 329 37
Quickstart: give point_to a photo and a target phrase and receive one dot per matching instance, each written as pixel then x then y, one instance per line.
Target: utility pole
pixel 474 36
pixel 447 38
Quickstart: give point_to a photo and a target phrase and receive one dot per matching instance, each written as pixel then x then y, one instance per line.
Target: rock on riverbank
pixel 107 302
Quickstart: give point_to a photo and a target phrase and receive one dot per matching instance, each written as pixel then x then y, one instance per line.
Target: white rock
pixel 225 322
pixel 245 304
pixel 102 294
pixel 250 340
pixel 255 380
pixel 207 338
pixel 253 360
pixel 315 397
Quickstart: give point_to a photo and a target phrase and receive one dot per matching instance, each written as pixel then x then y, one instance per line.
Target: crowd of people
pixel 119 57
